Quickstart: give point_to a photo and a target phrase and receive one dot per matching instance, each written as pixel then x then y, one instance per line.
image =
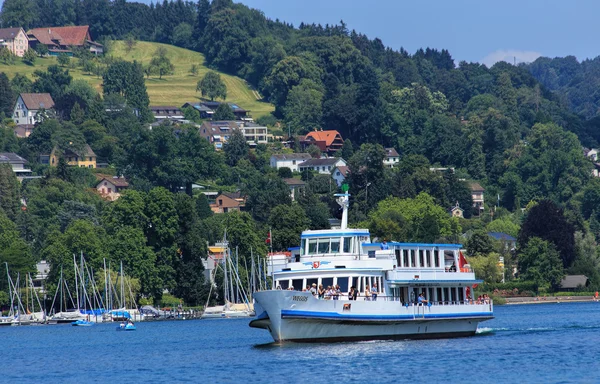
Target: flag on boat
pixel 461 261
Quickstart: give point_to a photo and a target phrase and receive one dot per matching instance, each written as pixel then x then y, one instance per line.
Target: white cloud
pixel 509 56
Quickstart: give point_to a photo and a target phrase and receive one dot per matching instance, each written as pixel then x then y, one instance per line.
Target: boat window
pixel 448 258
pixel 405 257
pixel 413 258
pixel 436 258
pixel 421 258
pixel 343 283
pixel 323 245
pixel 355 283
pixel 302 246
pixel 347 245
pixel 297 284
pixel 310 282
pixel 312 246
pixel 327 281
pixel 335 245
pixel 284 284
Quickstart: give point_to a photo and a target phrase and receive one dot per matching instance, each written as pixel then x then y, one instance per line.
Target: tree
pixel 212 86
pixel 539 261
pixel 303 108
pixel 223 113
pixel 6 95
pixel 9 191
pixel 314 151
pixel 77 114
pixel 285 173
pixel 130 43
pixel 480 243
pixel 41 49
pixel 29 57
pixel 21 13
pixel 236 147
pixel 127 79
pixel 182 35
pixel 547 221
pixel 63 60
pixel 6 56
pixel 288 222
pixel 194 70
pixel 486 267
pixel 161 64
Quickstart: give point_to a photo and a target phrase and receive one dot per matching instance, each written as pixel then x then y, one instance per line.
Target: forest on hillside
pixel 498 126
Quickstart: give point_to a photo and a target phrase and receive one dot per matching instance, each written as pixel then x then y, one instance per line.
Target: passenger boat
pixel 402 273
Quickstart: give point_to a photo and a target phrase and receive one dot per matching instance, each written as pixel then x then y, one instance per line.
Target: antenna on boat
pixel 343 199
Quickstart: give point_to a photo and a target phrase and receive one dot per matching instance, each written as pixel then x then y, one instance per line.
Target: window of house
pixel 220 201
pixel 109 190
pixel 90 159
pixel 90 166
pixel 293 162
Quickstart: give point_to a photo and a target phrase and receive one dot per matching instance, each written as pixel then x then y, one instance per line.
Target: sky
pixel 472 30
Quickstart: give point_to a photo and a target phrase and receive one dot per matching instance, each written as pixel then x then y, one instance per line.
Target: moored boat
pixel 381 290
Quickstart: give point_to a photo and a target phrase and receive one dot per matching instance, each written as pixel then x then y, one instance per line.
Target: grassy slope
pixel 170 90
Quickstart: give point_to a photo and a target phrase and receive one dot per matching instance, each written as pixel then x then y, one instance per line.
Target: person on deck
pixel 374 291
pixel 385 245
pixel 367 293
pixel 421 299
pixel 313 289
pixel 453 268
pixel 321 292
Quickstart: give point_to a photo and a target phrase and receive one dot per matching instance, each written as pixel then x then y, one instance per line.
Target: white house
pixel 16 162
pixel 289 160
pixel 391 158
pixel 15 40
pixel 296 187
pixel 28 105
pixel 592 154
pixel 323 166
pixel 339 174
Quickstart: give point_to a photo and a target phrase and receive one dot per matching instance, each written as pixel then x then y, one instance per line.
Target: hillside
pixel 170 90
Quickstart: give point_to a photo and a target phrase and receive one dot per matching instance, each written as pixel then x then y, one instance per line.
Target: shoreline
pixel 548 299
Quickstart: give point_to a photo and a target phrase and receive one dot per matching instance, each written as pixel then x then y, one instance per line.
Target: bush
pixel 520 286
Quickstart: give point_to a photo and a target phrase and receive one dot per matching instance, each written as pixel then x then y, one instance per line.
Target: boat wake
pixel 483 331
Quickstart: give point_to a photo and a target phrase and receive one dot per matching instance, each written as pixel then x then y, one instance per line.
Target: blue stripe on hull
pixel 343 317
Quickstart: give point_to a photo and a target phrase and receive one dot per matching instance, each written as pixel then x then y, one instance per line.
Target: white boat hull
pixel 297 316
pixel 227 315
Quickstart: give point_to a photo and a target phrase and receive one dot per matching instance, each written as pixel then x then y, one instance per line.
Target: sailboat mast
pixel 76 283
pixel 122 287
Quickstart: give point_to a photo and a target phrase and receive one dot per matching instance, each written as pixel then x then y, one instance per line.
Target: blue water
pixel 544 343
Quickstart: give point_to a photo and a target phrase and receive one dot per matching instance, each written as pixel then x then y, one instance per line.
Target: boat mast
pixel 122 287
pixel 76 283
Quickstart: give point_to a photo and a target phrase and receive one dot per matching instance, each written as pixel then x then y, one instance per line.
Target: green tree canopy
pixel 212 86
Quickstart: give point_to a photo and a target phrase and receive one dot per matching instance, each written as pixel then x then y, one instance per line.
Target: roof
pixel 476 187
pixel 11 158
pixel 391 152
pixel 327 136
pixel 9 33
pixel 37 100
pixel 501 236
pixel 116 181
pixel 294 182
pixel 233 195
pixel 343 170
pixel 321 162
pixel 74 35
pixel 227 202
pixel 573 281
pixel 85 152
pixel 291 156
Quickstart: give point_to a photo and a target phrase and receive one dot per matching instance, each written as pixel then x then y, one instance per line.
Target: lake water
pixel 544 343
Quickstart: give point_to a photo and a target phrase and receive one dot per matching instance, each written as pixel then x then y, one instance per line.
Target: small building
pixel 208 108
pixel 16 162
pixel 24 130
pixel 323 166
pixel 328 141
pixel 15 40
pixel 228 202
pixel 339 174
pixel 289 160
pixel 509 242
pixel 573 282
pixel 296 187
pixel 391 158
pixel 477 195
pixel 28 105
pixel 111 187
pixel 84 158
pixel 61 40
pixel 167 113
pixel 457 211
pixel 591 154
pixel 255 134
pixel 217 132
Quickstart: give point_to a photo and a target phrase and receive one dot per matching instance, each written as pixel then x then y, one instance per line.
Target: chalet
pixel 16 162
pixel 84 158
pixel 111 187
pixel 64 39
pixel 208 108
pixel 296 187
pixel 391 158
pixel 167 113
pixel 289 160
pixel 28 105
pixel 15 40
pixel 228 202
pixel 323 166
pixel 327 141
pixel 339 174
pixel 477 194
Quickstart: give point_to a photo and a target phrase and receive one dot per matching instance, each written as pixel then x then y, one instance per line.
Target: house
pixel 391 158
pixel 457 211
pixel 166 113
pixel 111 187
pixel 339 174
pixel 64 39
pixel 217 132
pixel 591 154
pixel 42 269
pixel 15 40
pixel 296 187
pixel 573 282
pixel 208 108
pixel 84 158
pixel 24 130
pixel 28 105
pixel 509 242
pixel 228 202
pixel 16 162
pixel 477 194
pixel 255 134
pixel 328 141
pixel 289 160
pixel 596 170
pixel 323 166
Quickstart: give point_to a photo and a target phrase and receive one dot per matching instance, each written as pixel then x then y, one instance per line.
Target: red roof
pixel 76 35
pixel 327 136
pixel 343 170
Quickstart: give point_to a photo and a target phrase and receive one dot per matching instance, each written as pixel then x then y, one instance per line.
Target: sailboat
pixel 81 322
pixel 236 300
pixel 63 315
